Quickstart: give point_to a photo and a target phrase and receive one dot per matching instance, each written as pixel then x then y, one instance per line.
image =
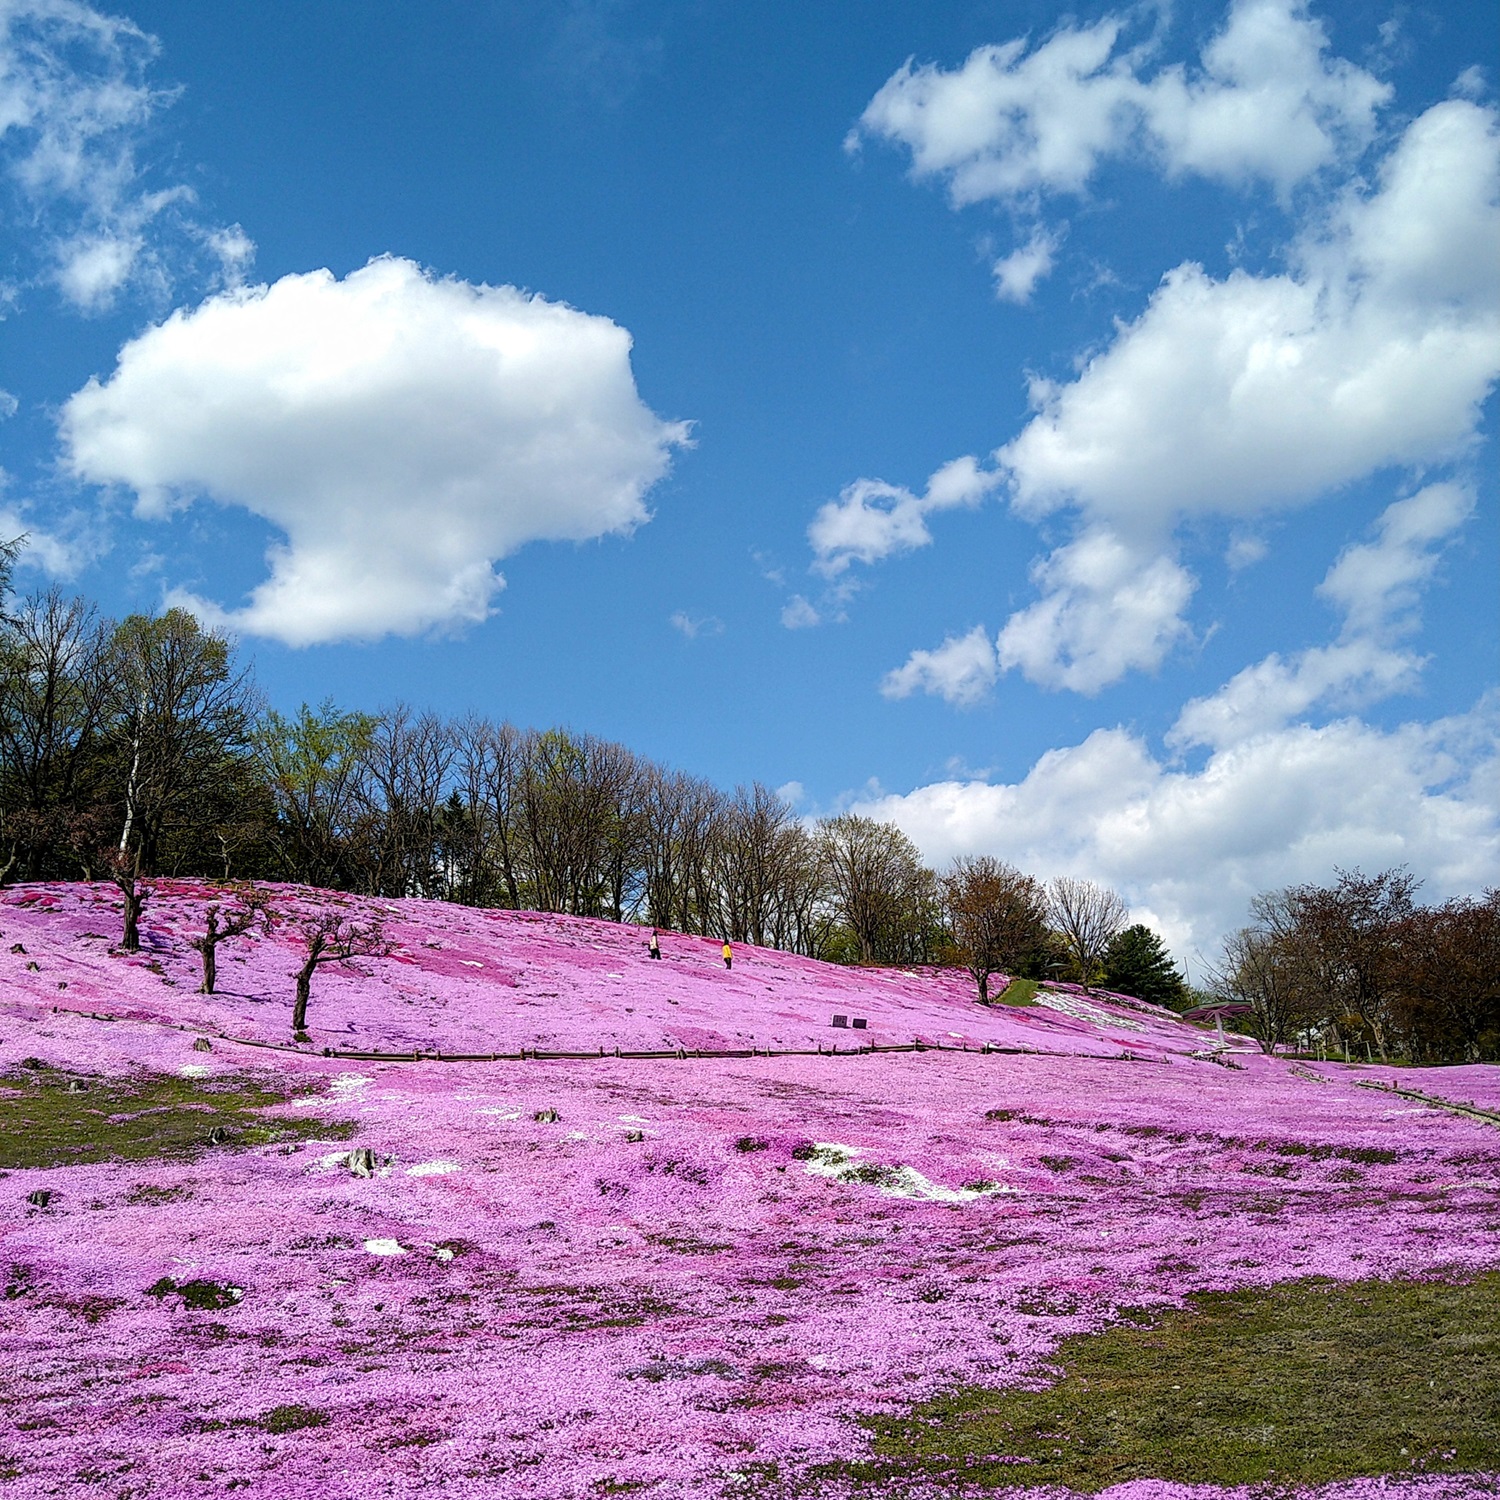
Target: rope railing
pixel 541 1054
pixel 1432 1101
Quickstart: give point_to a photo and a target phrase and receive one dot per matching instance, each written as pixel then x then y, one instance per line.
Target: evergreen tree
pixel 1137 963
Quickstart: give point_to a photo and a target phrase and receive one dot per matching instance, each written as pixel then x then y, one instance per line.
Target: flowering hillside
pixel 237 1267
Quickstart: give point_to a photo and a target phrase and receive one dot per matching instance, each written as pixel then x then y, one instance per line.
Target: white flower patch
pixel 833 1160
pixel 501 1114
pixel 471 963
pixel 385 1247
pixel 345 1084
pixel 1081 1010
pixel 194 1070
pixel 433 1168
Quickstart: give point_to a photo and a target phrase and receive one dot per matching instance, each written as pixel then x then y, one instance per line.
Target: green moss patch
pixel 1018 992
pixel 49 1118
pixel 1303 1383
pixel 293 1418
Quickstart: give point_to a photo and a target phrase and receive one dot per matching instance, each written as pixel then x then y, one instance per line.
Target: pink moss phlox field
pixel 480 981
pixel 699 1267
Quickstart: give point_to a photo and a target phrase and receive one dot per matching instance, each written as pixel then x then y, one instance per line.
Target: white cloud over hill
pixel 400 430
pixel 1189 848
pixel 1013 121
pixel 1238 396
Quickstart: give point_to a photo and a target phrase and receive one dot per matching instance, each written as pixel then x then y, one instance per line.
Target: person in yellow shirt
pixel 728 955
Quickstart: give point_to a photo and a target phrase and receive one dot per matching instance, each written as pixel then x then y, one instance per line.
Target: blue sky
pixel 1067 434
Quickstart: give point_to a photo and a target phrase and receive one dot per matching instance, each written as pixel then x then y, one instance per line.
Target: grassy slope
pixel 1303 1383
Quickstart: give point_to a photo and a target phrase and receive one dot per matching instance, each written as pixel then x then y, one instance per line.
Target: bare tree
pixel 1260 968
pixel 1086 916
pixel 403 771
pixel 1349 934
pixel 332 938
pixel 180 711
pixel 252 910
pixel 997 916
pixel 1449 979
pixel 878 886
pixel 54 688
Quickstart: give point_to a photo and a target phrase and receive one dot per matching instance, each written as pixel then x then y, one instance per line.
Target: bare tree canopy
pixel 1086 916
pixel 332 937
pixel 1262 969
pixel 878 887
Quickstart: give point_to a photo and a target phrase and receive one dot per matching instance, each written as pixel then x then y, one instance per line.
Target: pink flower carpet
pixel 550 1278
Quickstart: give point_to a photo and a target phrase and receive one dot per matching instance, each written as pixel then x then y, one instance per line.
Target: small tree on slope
pixel 124 870
pixel 331 938
pixel 252 911
pixel 996 914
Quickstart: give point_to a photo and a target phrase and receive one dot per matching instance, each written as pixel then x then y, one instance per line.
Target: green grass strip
pixel 50 1118
pixel 1302 1383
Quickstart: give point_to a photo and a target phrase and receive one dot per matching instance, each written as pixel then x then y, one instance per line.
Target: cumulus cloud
pixel 962 670
pixel 1191 847
pixel 1236 397
pixel 872 520
pixel 75 99
pixel 1376 586
pixel 1107 608
pixel 1225 397
pixel 1017 274
pixel 1266 101
pixel 400 431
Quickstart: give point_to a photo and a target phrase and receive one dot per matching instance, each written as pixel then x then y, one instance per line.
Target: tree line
pixel 143 747
pixel 1358 965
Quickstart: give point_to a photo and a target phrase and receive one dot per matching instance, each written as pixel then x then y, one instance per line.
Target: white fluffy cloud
pixel 962 670
pixel 1017 274
pixel 401 431
pixel 1277 801
pixel 1107 608
pixel 1233 396
pixel 74 102
pixel 1190 848
pixel 1267 102
pixel 1240 396
pixel 872 520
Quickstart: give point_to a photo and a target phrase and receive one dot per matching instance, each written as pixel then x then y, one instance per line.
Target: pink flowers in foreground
pixel 539 1278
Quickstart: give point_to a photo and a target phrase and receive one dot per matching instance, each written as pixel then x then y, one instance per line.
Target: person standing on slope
pixel 654 947
pixel 728 955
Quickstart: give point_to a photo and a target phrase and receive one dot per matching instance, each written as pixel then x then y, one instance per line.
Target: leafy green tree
pixel 181 716
pixel 311 762
pixel 1137 963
